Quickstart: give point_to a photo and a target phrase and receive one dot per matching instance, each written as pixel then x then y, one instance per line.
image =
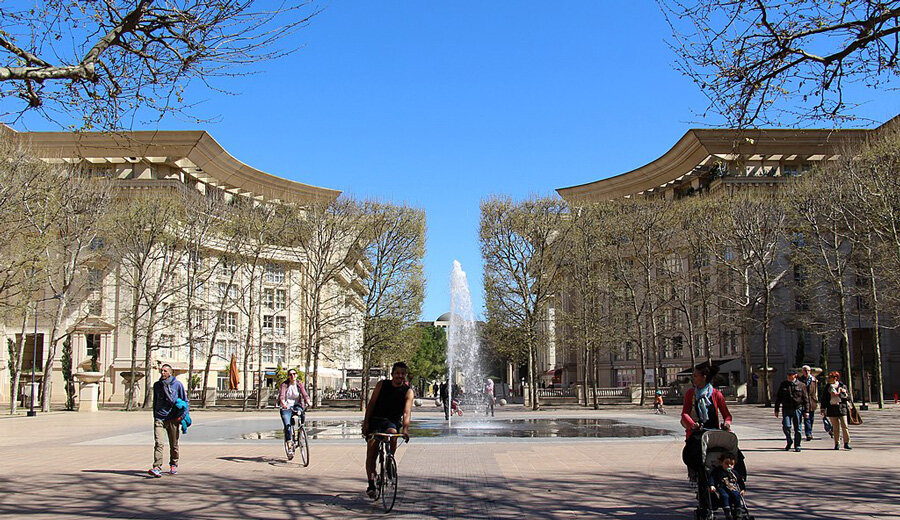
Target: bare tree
pixel 149 256
pixel 751 229
pixel 395 247
pixel 26 184
pixel 263 225
pixel 758 59
pixel 590 318
pixel 326 239
pixel 521 243
pixel 72 219
pixel 198 232
pixel 825 249
pixel 103 62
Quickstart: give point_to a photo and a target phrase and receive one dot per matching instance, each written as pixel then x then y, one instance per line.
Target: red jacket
pixel 688 416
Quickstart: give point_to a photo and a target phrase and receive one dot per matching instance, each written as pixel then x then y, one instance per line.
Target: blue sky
pixel 441 104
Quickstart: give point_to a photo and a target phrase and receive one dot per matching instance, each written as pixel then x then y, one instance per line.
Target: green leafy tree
pixel 429 362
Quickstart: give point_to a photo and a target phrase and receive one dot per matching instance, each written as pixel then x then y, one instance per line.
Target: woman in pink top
pixel 292 398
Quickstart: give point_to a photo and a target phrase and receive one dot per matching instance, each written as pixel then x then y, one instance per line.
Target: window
pixel 630 350
pixel 95 280
pixel 229 291
pixel 280 325
pixel 268 324
pixel 677 347
pixel 164 348
pixel 195 261
pixel 225 268
pixel 625 376
pixel 699 350
pixel 280 352
pixel 96 244
pixel 222 381
pixel 673 264
pixel 232 322
pixel 274 273
pixel 93 345
pixel 701 260
pixel 269 298
pixel 221 346
pixel 268 353
pixel 198 319
pixel 280 299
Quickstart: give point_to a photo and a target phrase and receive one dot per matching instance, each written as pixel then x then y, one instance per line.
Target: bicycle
pixel 299 438
pixel 386 481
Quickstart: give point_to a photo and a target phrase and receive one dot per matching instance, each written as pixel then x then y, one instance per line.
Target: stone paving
pixel 70 465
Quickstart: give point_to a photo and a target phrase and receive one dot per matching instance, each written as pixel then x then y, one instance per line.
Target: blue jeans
pixel 286 420
pixel 808 422
pixel 729 498
pixel 792 418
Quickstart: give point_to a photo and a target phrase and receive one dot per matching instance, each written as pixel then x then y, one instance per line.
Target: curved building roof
pixel 195 153
pixel 444 317
pixel 699 147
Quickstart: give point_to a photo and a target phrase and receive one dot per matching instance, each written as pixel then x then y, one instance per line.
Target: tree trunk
pixel 847 376
pixel 876 322
pixel 148 351
pixel 46 387
pixel 532 379
pixel 135 308
pixel 768 394
pixel 17 367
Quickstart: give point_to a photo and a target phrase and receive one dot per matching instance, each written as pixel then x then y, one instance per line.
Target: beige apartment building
pixel 721 162
pixel 190 160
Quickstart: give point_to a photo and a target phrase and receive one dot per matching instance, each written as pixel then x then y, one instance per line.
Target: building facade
pixel 270 333
pixel 722 163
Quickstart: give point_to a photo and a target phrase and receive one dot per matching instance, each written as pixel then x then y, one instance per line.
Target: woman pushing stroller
pixel 703 408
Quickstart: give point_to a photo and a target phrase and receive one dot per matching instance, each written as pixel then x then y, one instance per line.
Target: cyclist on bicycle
pixel 292 399
pixel 389 411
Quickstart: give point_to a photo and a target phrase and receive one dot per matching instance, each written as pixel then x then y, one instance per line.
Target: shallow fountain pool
pixel 502 428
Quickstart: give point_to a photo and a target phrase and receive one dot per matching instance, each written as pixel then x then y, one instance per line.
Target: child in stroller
pixel 728 486
pixel 722 469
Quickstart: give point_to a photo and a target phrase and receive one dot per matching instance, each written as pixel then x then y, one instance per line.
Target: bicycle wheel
pixel 389 484
pixel 302 445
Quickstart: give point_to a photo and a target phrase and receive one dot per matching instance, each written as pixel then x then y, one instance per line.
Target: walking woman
pixel 836 409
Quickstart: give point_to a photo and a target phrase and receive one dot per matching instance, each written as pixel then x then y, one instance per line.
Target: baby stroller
pixel 713 443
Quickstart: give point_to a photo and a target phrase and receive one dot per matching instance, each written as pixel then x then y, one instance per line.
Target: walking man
pixel 166 419
pixel 793 398
pixel 812 386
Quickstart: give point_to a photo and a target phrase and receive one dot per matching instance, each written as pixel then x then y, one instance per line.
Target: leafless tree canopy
pixel 759 59
pixel 101 62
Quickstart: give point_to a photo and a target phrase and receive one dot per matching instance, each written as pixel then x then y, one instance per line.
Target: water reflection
pixel 520 428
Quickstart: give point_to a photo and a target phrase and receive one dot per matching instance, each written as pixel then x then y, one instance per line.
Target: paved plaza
pixel 71 465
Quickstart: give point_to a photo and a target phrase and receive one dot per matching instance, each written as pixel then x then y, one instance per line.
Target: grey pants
pixel 168 428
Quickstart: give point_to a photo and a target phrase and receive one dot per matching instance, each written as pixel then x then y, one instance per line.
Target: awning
pixel 725 365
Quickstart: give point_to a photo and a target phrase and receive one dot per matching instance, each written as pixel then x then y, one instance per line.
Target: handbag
pixel 853 416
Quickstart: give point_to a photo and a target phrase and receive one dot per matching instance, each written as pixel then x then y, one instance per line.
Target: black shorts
pixel 382 425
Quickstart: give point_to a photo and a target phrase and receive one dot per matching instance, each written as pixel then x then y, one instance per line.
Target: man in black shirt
pixel 389 411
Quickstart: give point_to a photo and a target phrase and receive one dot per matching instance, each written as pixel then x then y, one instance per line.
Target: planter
pixel 89 391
